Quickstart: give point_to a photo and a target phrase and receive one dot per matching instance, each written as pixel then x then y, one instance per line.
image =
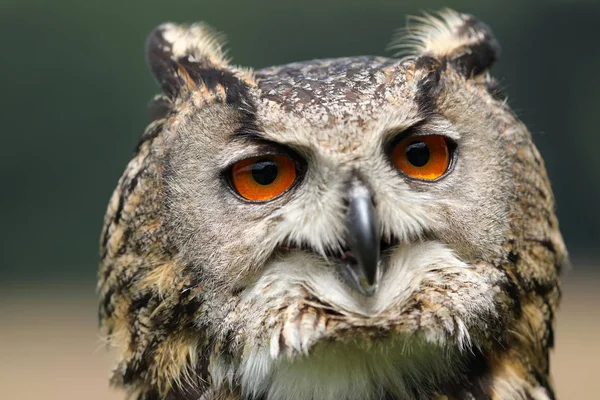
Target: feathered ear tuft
pixel 186 58
pixel 460 39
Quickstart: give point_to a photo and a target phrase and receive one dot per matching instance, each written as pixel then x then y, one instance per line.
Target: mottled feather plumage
pixel 208 297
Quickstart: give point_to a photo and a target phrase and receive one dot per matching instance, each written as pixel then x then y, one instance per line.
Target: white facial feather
pixel 354 370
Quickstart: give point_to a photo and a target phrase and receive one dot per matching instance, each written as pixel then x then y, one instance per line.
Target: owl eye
pixel 422 157
pixel 263 178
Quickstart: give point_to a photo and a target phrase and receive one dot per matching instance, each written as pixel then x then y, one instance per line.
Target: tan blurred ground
pixel 49 348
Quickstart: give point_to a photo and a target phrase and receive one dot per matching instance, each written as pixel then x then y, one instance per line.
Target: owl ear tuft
pixel 461 40
pixel 187 58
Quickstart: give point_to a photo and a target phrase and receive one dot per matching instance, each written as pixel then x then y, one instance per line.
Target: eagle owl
pixel 352 228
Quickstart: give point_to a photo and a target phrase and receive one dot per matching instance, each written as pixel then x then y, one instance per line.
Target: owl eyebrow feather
pixel 425 98
pixel 262 147
pixel 249 130
pixel 435 125
pixel 236 90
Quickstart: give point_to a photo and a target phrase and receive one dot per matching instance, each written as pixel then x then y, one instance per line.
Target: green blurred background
pixel 74 103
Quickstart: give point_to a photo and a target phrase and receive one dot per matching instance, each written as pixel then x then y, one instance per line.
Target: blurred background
pixel 75 90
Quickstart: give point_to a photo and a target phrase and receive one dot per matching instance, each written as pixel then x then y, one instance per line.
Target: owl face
pixel 363 183
pixel 335 212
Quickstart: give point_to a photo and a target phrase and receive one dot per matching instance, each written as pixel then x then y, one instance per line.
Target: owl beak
pixel 363 239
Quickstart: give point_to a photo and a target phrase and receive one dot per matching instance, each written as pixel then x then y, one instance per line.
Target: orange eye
pixel 263 178
pixel 422 157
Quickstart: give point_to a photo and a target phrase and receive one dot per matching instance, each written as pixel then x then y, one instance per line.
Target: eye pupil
pixel 264 172
pixel 417 154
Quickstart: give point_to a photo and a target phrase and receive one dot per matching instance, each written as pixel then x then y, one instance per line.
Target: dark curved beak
pixel 364 242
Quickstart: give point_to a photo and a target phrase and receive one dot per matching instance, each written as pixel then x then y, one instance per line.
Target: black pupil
pixel 264 172
pixel 417 154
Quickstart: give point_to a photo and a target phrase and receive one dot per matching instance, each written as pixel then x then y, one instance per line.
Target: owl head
pixel 348 228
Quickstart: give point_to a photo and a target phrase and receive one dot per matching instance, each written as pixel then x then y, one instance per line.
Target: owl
pixel 338 229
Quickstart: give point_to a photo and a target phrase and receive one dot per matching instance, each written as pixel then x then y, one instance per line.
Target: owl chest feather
pixel 398 368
